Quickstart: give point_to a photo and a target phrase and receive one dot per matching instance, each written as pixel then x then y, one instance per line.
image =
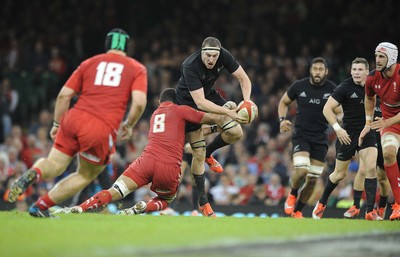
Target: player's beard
pixel 320 80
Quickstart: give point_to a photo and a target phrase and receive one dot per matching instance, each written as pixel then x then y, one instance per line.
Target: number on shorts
pixel 159 123
pixel 108 74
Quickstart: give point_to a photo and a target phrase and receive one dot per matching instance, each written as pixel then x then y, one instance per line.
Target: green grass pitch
pixel 92 234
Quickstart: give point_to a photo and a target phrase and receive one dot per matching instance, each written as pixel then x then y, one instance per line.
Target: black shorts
pixel 346 152
pixel 317 151
pixel 214 97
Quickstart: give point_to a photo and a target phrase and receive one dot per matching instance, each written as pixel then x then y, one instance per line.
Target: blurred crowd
pixel 43 42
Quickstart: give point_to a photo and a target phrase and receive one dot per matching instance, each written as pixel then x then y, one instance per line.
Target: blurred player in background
pixel 384 82
pixel 309 138
pixel 350 95
pixel 196 89
pixel 161 160
pixel 105 84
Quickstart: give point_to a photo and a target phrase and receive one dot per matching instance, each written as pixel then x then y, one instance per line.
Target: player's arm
pixel 369 106
pixel 211 118
pixel 138 105
pixel 285 125
pixel 379 123
pixel 330 115
pixel 244 82
pixel 62 104
pixel 208 106
pixel 339 113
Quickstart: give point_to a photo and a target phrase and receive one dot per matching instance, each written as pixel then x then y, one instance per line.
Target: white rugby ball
pixel 248 110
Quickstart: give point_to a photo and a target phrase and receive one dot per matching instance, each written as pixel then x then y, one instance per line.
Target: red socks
pixel 393 174
pixel 38 174
pixel 101 198
pixel 156 204
pixel 45 202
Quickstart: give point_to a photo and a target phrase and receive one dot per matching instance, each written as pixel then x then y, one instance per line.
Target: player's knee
pixel 301 164
pixel 338 175
pixel 199 153
pixel 234 133
pixel 390 145
pixel 121 188
pixel 315 171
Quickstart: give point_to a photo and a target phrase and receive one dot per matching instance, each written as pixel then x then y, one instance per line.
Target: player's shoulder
pixel 373 73
pixel 303 82
pixel 330 83
pixel 192 60
pixel 346 82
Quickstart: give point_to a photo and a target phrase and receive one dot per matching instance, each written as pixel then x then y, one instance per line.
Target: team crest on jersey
pixel 326 95
pixel 220 68
pixel 377 86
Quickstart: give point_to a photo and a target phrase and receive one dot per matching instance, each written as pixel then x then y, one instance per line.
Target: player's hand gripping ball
pixel 248 110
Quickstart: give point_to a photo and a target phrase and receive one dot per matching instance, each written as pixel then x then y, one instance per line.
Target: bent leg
pixel 72 184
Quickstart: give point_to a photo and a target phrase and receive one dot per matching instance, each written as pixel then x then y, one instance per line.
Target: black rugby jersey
pixel 351 97
pixel 195 75
pixel 310 121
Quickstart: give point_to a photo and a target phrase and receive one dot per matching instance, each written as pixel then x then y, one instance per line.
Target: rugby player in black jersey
pixel 309 138
pixel 196 89
pixel 350 95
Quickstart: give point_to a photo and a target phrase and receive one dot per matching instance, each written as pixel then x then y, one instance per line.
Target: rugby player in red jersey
pixel 105 84
pixel 160 161
pixel 384 82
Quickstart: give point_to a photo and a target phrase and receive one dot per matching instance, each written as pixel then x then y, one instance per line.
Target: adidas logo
pixel 303 94
pixel 354 95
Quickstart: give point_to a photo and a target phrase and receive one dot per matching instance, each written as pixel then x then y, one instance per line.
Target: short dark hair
pixel 319 60
pixel 361 60
pixel 168 94
pixel 117 39
pixel 211 41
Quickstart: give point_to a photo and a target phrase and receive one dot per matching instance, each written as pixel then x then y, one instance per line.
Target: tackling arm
pixel 208 106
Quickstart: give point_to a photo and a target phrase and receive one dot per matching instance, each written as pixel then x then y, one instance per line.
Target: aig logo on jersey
pixel 314 101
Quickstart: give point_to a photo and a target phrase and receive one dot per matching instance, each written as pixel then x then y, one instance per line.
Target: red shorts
pixel 165 177
pixel 394 129
pixel 82 132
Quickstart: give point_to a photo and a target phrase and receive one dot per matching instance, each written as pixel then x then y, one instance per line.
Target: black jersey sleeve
pixel 340 93
pixel 229 61
pixel 292 92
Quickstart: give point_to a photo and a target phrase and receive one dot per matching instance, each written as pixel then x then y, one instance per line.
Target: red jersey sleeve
pixel 190 114
pixel 140 81
pixel 75 81
pixel 369 91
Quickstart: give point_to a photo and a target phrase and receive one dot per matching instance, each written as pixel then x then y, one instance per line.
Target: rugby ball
pixel 248 110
